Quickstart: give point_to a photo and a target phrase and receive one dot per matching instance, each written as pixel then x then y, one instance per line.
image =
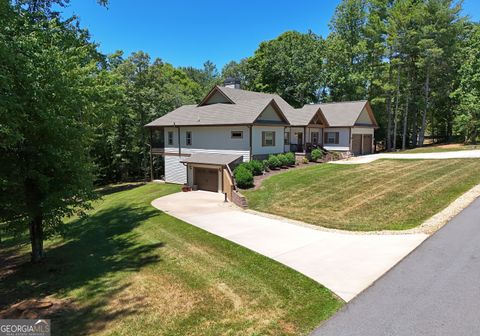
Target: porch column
pixel 305 139
pixel 151 156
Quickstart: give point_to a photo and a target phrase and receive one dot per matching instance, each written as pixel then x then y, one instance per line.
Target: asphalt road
pixel 433 291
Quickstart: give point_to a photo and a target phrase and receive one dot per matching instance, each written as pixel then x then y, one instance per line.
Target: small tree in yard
pixel 48 87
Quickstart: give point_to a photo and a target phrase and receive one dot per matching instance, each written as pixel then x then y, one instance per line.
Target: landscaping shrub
pixel 283 160
pixel 305 160
pixel 316 154
pixel 273 162
pixel 291 158
pixel 336 155
pixel 256 167
pixel 243 177
pixel 265 165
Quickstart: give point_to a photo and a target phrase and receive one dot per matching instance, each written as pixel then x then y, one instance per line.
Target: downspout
pixel 250 142
pixel 179 144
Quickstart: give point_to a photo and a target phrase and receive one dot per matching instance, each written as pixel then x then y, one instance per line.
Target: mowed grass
pixel 383 195
pixel 440 148
pixel 129 269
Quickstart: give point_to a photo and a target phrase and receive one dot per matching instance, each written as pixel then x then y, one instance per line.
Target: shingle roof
pixel 302 116
pixel 248 105
pixel 214 114
pixel 210 158
pixel 343 114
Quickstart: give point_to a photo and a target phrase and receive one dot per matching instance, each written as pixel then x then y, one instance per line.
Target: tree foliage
pixel 48 106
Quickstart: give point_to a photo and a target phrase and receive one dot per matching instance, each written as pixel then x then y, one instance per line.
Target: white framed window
pixel 170 138
pixel 237 135
pixel 314 138
pixel 188 138
pixel 332 138
pixel 268 139
pixel 286 140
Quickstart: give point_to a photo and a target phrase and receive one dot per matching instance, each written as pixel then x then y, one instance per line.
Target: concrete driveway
pixel 346 263
pixel 466 154
pixel 435 291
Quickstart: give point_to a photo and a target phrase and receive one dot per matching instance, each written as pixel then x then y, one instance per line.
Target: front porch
pixel 302 140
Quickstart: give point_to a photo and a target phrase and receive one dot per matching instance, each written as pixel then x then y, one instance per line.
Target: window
pixel 268 139
pixel 314 138
pixel 237 134
pixel 170 138
pixel 331 138
pixel 286 140
pixel 188 139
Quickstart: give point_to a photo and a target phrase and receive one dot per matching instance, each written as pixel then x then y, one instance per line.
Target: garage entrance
pixel 367 144
pixel 206 178
pixel 357 144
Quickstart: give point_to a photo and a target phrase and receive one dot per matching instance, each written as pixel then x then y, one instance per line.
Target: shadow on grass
pixel 90 260
pixel 107 190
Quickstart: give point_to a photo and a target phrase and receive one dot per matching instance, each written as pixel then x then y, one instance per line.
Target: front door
pixel 206 179
pixel 299 142
pixel 300 138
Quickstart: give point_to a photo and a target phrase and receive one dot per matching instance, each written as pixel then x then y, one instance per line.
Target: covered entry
pixel 207 171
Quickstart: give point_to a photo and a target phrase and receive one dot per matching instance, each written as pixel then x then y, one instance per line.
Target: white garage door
pixel 175 171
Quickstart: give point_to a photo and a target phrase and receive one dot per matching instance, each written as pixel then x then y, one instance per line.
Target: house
pixel 201 143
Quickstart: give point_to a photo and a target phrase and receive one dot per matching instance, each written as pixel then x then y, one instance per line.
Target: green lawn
pixel 439 148
pixel 129 269
pixel 382 195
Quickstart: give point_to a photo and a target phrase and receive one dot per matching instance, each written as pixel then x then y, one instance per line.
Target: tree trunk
pixel 405 114
pixel 414 127
pixel 36 239
pixel 395 121
pixel 389 112
pixel 421 136
pixel 474 135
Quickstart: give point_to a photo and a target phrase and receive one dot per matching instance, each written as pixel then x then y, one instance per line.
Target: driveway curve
pixel 433 292
pixel 343 262
pixel 467 154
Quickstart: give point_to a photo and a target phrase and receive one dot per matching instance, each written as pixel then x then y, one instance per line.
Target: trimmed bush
pixel 291 158
pixel 282 159
pixel 273 162
pixel 243 177
pixel 316 154
pixel 256 167
pixel 265 165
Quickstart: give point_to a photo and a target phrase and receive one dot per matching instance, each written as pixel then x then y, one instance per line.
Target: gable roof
pixel 346 114
pixel 244 108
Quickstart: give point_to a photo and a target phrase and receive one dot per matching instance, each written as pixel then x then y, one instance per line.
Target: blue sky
pixel 188 32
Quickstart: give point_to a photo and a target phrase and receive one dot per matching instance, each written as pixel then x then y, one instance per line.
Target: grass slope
pixel 383 195
pixel 439 149
pixel 129 269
